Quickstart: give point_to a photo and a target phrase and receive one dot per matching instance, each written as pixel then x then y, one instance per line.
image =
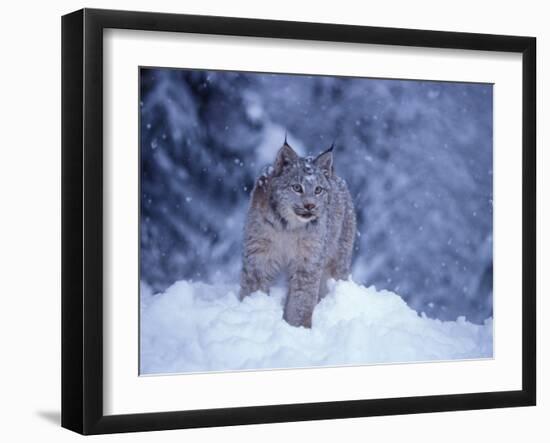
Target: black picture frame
pixel 82 218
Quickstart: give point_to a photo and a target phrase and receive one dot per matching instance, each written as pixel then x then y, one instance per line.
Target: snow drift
pixel 195 327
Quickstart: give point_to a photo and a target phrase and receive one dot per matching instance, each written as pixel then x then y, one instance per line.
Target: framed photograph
pixel 269 221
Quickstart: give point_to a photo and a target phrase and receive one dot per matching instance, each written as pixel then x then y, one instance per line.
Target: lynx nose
pixel 309 206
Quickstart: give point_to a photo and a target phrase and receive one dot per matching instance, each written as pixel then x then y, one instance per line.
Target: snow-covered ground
pixel 195 327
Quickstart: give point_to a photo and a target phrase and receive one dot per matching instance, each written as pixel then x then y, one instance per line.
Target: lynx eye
pixel 318 190
pixel 297 188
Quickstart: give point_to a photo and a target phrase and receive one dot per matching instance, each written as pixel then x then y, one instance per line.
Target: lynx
pixel 301 222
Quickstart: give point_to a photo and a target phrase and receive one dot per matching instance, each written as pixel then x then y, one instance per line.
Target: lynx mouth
pixel 304 216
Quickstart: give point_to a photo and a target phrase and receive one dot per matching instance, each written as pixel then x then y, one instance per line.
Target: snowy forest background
pixel 417 157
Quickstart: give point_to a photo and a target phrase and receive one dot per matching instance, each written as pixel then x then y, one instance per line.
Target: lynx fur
pixel 301 222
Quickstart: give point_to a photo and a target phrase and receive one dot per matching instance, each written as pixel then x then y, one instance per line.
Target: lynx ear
pixel 324 161
pixel 285 156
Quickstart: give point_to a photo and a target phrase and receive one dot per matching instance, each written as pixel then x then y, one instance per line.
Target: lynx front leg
pixel 259 269
pixel 254 279
pixel 302 297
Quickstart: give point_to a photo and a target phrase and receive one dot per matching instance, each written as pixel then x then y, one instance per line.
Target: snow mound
pixel 195 327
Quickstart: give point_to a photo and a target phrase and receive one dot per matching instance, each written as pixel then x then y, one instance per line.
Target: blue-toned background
pixel 417 157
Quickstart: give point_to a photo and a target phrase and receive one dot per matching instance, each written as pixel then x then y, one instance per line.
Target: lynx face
pixel 300 186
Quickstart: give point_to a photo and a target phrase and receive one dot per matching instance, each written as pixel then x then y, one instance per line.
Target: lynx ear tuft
pixel 285 157
pixel 325 162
